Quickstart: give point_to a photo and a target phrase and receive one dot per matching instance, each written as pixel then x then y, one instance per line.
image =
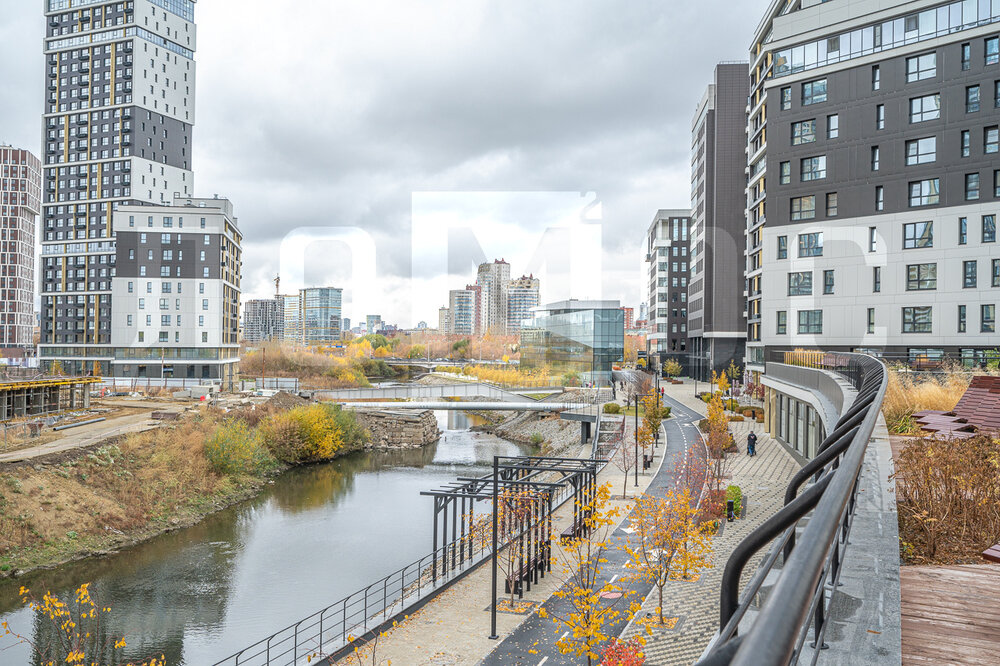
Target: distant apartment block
pixel 716 323
pixel 667 254
pixel 321 310
pixel 373 323
pixel 462 311
pixel 629 314
pixel 882 164
pixel 177 291
pixel 262 320
pixel 291 318
pixel 522 298
pixel 20 196
pixel 493 279
pixel 444 320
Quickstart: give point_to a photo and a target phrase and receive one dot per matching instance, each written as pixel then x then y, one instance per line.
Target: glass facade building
pixel 585 337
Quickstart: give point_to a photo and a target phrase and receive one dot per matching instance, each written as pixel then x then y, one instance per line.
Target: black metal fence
pixel 797 606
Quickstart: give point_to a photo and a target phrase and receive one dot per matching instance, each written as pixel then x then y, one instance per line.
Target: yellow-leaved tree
pixel 77 636
pixel 670 542
pixel 592 604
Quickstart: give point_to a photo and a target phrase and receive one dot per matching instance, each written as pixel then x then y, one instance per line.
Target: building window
pixel 963 231
pixel 918 235
pixel 814 92
pixel 786 98
pixel 876 279
pixel 876 77
pixel 996 184
pixel 800 284
pixel 786 173
pixel 989 229
pixel 961 319
pixel 996 273
pixel 804 132
pixel 969 274
pixel 782 322
pixel 966 56
pixel 813 168
pixel 971 186
pixel 966 143
pixel 879 198
pixel 811 245
pixel 991 139
pixel 917 319
pixel 803 208
pixel 925 192
pixel 810 322
pixel 924 108
pixel 921 151
pixel 872 239
pixel 988 318
pixel 833 126
pixel 782 247
pixel 871 320
pixel 921 67
pixel 996 94
pixel 831 204
pixel 992 50
pixel 880 117
pixel 876 158
pixel 972 99
pixel 204 336
pixel 921 277
pixel 828 282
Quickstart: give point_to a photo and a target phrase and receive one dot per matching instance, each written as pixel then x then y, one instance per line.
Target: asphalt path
pixel 533 642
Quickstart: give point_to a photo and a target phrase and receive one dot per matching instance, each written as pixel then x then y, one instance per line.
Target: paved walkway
pixel 90 434
pixel 533 642
pixel 762 479
pixel 453 628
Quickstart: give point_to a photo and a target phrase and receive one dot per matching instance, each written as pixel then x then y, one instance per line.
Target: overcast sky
pixel 518 129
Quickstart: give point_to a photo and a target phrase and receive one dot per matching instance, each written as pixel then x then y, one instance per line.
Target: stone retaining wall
pixel 399 429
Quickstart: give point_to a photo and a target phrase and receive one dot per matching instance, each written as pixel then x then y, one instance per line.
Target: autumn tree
pixel 670 542
pixel 672 368
pixel 624 459
pixel 514 512
pixel 77 635
pixel 718 438
pixel 591 605
pixel 721 383
pixel 652 415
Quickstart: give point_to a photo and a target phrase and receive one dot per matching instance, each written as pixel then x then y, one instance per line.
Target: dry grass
pixel 907 393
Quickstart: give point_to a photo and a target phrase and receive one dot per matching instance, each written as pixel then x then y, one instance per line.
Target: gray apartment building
pixel 668 256
pixel 716 320
pixel 118 112
pixel 176 291
pixel 882 164
pixel 321 310
pixel 262 320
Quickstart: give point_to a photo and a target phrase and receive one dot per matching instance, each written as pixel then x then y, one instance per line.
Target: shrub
pixel 236 448
pixel 612 408
pixel 705 397
pixel 304 434
pixel 736 418
pixel 703 425
pixel 536 438
pixel 948 498
pixel 664 412
pixel 906 394
pixel 736 495
pixel 732 405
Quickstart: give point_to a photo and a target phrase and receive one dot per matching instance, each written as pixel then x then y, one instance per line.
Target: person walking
pixel 752 444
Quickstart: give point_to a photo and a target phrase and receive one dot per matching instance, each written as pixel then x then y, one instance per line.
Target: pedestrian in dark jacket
pixel 752 444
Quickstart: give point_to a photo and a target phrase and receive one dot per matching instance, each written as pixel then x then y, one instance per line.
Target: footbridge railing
pixel 797 607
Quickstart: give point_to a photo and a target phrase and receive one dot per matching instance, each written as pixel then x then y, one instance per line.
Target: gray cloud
pixel 334 113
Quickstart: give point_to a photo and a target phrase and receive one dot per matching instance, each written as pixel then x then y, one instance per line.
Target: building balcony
pixel 54 22
pixel 53 87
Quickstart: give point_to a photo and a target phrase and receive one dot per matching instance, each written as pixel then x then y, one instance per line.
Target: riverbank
pixel 127 490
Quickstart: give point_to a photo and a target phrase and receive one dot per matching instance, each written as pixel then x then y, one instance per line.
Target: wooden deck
pixel 950 615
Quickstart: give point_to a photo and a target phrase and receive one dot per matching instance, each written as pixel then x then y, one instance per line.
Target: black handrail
pixel 799 597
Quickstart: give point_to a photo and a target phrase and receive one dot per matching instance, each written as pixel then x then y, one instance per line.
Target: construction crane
pixel 277 285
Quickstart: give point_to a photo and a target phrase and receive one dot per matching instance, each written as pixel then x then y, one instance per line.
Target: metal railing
pixel 326 633
pixel 811 565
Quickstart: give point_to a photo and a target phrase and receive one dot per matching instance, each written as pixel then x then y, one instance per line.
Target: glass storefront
pixel 794 423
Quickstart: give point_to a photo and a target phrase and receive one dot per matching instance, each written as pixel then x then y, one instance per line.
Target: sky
pixel 386 147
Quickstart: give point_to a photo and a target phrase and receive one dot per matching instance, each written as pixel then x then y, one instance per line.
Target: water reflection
pixel 317 534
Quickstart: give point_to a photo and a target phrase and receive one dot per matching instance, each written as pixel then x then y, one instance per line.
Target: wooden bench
pixel 992 554
pixel 574 531
pixel 523 573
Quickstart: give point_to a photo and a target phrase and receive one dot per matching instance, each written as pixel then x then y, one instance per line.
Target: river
pixel 316 535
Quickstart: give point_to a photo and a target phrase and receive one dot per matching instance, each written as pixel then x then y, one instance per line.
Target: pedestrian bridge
pixel 431 392
pixel 466 406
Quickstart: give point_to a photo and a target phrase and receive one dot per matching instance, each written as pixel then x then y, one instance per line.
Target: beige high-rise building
pixel 493 279
pixel 20 193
